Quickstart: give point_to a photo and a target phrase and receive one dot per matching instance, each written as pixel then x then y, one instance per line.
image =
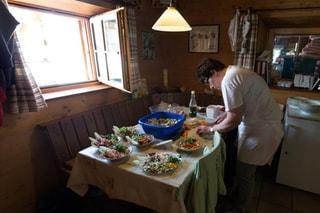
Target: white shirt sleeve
pixel 231 92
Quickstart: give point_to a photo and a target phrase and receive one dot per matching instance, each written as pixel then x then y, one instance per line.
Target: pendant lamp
pixel 171 21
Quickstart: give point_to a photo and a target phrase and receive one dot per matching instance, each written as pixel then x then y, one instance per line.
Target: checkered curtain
pixel 130 38
pixel 24 95
pixel 246 41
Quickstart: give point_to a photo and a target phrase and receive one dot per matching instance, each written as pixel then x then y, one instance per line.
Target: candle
pixel 165 77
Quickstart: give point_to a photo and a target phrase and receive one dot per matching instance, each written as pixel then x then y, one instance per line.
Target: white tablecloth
pixel 168 193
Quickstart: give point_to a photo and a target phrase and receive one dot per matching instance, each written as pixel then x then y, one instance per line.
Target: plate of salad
pixel 141 140
pixel 117 152
pixel 125 131
pixel 188 144
pixel 160 163
pixel 108 140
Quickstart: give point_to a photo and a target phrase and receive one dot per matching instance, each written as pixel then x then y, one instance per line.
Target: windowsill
pixel 50 94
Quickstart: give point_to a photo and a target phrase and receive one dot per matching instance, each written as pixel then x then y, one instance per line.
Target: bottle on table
pixel 193 105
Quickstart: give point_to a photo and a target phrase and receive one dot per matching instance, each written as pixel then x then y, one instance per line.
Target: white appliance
pixel 299 164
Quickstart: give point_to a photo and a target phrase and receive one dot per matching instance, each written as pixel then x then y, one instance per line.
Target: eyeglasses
pixel 205 79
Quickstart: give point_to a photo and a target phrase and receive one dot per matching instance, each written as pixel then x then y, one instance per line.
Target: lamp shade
pixel 171 21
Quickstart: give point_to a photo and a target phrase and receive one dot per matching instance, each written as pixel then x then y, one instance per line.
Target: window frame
pixel 90 48
pixel 104 77
pixel 86 45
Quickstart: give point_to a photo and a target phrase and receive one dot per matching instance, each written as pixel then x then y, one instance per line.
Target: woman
pixel 248 103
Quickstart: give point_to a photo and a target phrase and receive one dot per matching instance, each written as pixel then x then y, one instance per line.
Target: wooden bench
pixel 68 135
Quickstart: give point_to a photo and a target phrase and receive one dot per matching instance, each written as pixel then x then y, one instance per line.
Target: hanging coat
pixel 7 26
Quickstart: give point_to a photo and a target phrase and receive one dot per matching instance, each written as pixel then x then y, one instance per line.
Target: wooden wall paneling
pixel 200 99
pixel 262 41
pixel 99 120
pixel 156 99
pixel 123 114
pixel 146 104
pixel 70 136
pixel 58 143
pixel 136 112
pixel 185 99
pixel 177 98
pixel 170 98
pixel 108 117
pixel 218 100
pixel 90 122
pixel 81 131
pixel 208 99
pixel 284 4
pixel 140 109
pixel 164 97
pixel 130 108
pixel 116 115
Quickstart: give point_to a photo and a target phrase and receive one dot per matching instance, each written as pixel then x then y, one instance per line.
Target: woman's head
pixel 207 68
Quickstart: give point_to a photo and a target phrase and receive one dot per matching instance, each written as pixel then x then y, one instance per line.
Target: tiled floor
pixel 270 197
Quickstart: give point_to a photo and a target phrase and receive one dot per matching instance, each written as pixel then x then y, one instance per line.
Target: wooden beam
pixel 101 3
pixel 73 7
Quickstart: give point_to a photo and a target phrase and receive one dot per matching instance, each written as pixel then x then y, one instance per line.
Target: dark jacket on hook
pixel 7 26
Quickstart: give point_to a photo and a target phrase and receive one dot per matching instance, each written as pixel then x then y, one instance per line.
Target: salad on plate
pixel 119 151
pixel 159 163
pixel 141 140
pixel 106 140
pixel 125 131
pixel 188 144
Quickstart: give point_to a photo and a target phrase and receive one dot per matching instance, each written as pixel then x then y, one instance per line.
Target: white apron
pixel 258 143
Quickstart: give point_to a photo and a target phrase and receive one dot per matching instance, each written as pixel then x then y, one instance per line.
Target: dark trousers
pixel 243 186
pixel 230 139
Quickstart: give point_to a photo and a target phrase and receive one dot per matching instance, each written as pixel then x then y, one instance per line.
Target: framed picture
pixel 148 52
pixel 204 39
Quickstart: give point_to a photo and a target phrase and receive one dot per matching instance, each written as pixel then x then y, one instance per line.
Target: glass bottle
pixel 193 105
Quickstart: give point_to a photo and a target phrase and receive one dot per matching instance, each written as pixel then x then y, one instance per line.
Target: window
pixel 106 45
pixel 55 46
pixel 62 49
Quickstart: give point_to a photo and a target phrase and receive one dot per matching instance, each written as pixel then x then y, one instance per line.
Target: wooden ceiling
pixel 291 18
pixel 74 7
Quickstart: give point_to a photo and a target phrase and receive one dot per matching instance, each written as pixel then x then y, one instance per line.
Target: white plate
pixel 131 129
pixel 187 149
pixel 96 141
pixel 136 143
pixel 151 164
pixel 101 154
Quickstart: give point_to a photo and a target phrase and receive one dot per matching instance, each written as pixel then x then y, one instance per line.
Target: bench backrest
pixel 69 135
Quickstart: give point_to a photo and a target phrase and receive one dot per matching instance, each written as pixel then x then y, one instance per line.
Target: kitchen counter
pixel 281 94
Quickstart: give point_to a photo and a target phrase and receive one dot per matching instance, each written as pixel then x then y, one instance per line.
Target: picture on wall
pixel 204 39
pixel 148 52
